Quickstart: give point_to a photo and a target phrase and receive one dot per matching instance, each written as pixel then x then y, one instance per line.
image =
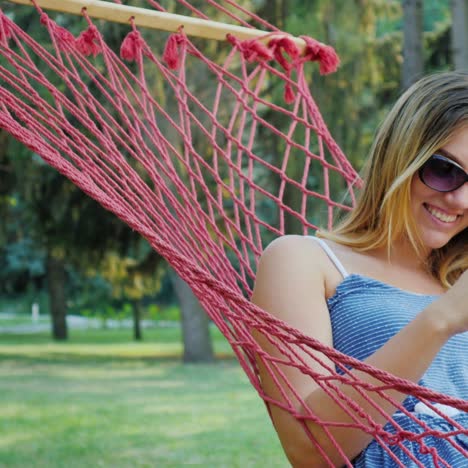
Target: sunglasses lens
pixel 442 175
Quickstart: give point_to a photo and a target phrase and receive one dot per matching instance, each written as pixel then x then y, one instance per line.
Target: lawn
pixel 101 400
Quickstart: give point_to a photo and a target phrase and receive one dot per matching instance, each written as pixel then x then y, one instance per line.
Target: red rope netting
pixel 208 161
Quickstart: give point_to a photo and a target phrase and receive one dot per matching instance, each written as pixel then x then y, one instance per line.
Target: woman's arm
pixel 290 285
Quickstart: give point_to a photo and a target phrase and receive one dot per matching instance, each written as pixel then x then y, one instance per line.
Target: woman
pixel 388 286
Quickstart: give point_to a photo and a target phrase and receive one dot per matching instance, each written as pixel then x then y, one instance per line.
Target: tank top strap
pixel 331 255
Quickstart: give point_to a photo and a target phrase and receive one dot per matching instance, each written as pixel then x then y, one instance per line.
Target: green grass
pixel 100 400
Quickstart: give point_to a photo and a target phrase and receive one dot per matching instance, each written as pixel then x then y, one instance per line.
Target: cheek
pixel 418 190
pixel 421 193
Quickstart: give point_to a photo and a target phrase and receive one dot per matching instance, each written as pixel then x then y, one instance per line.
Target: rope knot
pixel 88 42
pixel 425 450
pixel 285 44
pixel 393 439
pixel 131 46
pixel 252 49
pixel 324 54
pixel 44 19
pixel 172 50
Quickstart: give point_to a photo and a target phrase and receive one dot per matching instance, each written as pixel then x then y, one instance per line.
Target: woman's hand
pixel 450 311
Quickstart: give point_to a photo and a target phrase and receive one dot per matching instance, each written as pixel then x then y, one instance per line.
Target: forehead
pixel 457 147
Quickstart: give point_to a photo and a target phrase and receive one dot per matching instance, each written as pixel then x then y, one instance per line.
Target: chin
pixel 435 234
pixel 435 241
pixel 434 245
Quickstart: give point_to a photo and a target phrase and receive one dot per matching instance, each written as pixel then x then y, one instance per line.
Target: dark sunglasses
pixel 442 174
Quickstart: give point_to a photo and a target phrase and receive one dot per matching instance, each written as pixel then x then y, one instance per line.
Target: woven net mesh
pixel 209 151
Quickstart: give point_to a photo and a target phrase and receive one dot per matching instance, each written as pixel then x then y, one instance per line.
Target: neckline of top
pixel 378 282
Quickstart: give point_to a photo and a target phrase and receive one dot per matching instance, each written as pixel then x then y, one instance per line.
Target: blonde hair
pixel 421 122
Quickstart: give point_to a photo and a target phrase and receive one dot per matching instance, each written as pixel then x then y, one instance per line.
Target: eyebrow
pixel 451 156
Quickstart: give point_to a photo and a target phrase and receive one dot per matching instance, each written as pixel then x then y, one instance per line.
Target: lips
pixel 441 215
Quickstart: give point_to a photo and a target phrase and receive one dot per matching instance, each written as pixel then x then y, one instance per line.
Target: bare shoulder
pixel 290 281
pixel 296 251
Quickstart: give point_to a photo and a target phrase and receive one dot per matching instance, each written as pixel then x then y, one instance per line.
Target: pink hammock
pixel 178 146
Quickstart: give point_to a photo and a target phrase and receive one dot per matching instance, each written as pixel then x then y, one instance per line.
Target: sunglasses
pixel 442 174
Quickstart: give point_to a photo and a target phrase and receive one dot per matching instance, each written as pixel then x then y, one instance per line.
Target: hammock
pixel 185 161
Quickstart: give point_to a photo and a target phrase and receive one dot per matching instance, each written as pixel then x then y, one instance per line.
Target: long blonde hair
pixel 421 122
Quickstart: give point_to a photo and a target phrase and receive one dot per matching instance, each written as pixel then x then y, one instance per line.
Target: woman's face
pixel 440 216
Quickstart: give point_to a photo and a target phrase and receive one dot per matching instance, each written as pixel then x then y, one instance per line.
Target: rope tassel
pixel 131 46
pixel 171 53
pixel 63 37
pixel 324 54
pixel 87 42
pixel 280 45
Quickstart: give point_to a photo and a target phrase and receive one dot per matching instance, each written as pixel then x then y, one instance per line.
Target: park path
pixel 73 322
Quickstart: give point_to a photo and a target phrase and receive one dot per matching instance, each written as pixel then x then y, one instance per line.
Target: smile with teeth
pixel 441 216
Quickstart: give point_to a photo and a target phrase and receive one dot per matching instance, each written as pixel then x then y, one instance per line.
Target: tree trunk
pixel 412 42
pixel 275 12
pixel 293 199
pixel 136 306
pixel 7 176
pixel 56 280
pixel 195 324
pixel 460 34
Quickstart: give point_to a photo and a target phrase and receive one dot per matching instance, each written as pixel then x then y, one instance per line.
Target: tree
pixel 460 34
pixel 132 276
pixel 413 62
pixel 56 281
pixel 195 324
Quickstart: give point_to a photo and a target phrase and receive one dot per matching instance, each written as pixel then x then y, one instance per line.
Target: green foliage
pixel 436 13
pixel 107 262
pixel 21 263
pixel 90 292
pixel 47 215
pixel 351 100
pixel 120 311
pixel 163 314
pixel 127 280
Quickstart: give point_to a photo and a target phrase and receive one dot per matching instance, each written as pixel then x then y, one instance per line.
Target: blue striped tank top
pixel 365 313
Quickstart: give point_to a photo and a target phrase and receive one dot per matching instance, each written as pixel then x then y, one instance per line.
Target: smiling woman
pixel 388 286
pixel 403 181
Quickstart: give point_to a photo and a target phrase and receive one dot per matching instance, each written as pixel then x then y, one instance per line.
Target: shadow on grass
pixel 160 335
pixel 86 359
pixel 97 337
pixel 103 347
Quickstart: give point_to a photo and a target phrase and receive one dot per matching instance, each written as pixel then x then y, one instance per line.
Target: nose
pixel 459 198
